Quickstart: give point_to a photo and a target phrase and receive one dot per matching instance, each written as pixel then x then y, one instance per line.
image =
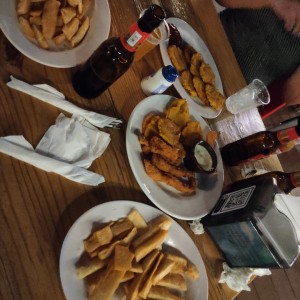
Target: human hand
pixel 291 89
pixel 289 12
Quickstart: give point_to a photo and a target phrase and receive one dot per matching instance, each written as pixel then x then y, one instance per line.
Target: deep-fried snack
pixel 195 63
pixel 173 155
pixel 150 126
pixel 35 20
pixel 73 3
pixel 188 186
pixel 49 18
pixel 186 80
pixel 207 73
pixel 137 219
pixel 188 51
pixel 169 131
pixel 26 28
pixel 211 137
pixel 173 281
pixel 191 133
pixel 68 13
pixel 23 7
pixel 91 267
pixel 178 112
pixel 123 258
pixel 146 149
pixel 160 163
pixel 77 38
pixel 177 58
pixel 59 39
pixel 215 98
pixel 39 37
pixel 163 269
pixel 200 89
pixel 71 28
pixel 162 293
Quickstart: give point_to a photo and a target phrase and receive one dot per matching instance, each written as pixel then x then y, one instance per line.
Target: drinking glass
pixel 253 95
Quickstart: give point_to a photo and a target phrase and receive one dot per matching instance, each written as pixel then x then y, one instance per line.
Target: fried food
pixel 188 52
pixel 211 137
pixel 177 58
pixel 187 186
pixel 200 89
pixel 49 18
pixel 191 133
pixel 214 97
pixel 195 63
pixel 150 126
pixel 160 163
pixel 58 24
pixel 178 112
pixel 169 131
pixel 207 74
pixel 173 155
pixel 186 80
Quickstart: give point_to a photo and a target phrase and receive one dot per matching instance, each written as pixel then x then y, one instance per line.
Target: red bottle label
pixel 135 38
pixel 286 135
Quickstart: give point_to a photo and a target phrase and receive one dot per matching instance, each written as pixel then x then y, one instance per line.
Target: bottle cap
pixel 169 73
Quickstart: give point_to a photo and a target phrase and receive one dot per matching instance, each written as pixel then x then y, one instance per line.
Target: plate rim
pixel 135 172
pixel 139 206
pixel 163 46
pixel 67 58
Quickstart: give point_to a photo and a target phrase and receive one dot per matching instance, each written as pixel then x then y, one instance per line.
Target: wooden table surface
pixel 38 208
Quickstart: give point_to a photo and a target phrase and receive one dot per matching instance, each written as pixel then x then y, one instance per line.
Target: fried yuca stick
pixel 26 28
pixel 76 39
pixel 23 7
pixel 39 37
pixel 49 18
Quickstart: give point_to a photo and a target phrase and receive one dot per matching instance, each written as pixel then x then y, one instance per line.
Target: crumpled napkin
pixel 19 148
pixel 73 140
pixel 238 278
pixel 52 96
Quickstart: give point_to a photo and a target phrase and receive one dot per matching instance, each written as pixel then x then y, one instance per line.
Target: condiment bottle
pixel 158 82
pixel 114 56
pixel 286 182
pixel 258 145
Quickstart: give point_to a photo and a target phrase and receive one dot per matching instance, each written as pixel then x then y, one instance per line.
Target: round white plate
pixel 99 15
pixel 72 248
pixel 169 200
pixel 190 36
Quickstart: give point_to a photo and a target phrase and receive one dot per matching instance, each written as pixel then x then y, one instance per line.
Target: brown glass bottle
pixel 114 56
pixel 258 145
pixel 285 181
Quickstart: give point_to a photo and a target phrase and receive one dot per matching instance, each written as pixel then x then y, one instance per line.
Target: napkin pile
pixel 68 147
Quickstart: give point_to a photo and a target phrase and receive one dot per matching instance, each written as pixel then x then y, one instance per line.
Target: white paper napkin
pixel 19 148
pixel 51 96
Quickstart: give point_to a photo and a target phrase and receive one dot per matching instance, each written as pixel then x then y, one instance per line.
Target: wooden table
pixel 38 208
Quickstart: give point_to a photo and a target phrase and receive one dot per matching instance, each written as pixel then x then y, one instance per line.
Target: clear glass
pixel 253 95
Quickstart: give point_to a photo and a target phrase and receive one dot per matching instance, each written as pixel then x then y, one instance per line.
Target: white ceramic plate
pixel 72 248
pixel 190 36
pixel 99 15
pixel 169 200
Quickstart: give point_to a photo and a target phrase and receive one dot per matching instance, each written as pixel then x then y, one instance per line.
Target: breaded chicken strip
pixel 157 175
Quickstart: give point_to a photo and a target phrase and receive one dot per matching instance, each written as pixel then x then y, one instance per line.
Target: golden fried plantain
pixel 186 80
pixel 207 73
pixel 169 131
pixel 188 52
pixel 200 89
pixel 150 126
pixel 215 98
pixel 177 58
pixel 196 62
pixel 191 133
pixel 178 111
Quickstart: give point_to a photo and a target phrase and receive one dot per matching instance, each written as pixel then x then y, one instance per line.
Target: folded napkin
pixel 19 148
pixel 51 96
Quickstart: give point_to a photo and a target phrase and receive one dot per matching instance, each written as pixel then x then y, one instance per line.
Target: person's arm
pixel 286 10
pixel 291 89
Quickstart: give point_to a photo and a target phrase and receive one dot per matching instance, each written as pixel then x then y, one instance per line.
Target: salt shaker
pixel 158 82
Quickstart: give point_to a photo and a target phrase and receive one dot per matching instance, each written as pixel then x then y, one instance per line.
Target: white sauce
pixel 203 157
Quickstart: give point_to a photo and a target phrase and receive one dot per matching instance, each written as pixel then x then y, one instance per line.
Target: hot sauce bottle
pixel 114 56
pixel 258 145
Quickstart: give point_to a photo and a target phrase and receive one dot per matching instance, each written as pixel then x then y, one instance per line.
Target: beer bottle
pixel 285 181
pixel 258 145
pixel 114 56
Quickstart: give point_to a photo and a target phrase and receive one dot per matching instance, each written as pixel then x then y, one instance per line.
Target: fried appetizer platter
pixel 164 140
pixel 196 76
pixel 54 24
pixel 127 256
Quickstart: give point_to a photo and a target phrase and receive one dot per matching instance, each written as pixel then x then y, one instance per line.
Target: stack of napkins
pixel 70 146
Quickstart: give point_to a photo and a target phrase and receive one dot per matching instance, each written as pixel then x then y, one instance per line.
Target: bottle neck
pixel 134 38
pixel 295 178
pixel 286 135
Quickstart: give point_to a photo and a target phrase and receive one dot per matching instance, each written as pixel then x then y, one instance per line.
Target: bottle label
pixel 135 39
pixel 286 135
pixel 160 89
pixel 233 201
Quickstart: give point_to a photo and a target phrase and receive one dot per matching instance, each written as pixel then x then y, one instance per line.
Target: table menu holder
pixel 248 228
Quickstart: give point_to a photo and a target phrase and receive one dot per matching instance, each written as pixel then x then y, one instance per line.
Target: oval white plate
pixel 97 33
pixel 169 200
pixel 190 36
pixel 72 248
